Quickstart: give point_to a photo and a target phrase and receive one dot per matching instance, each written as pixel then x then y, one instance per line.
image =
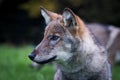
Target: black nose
pixel 32 56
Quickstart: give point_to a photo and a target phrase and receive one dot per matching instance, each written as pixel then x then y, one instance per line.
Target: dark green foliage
pixel 21 22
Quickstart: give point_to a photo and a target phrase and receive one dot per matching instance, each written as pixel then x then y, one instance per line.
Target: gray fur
pixel 78 67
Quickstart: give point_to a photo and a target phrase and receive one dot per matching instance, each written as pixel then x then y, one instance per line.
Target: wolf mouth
pixel 46 61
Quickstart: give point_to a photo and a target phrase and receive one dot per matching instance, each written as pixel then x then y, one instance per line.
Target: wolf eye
pixel 54 37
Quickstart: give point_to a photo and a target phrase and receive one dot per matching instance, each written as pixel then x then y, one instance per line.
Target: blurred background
pixel 22 27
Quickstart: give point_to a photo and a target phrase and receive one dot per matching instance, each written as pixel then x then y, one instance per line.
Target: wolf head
pixel 62 37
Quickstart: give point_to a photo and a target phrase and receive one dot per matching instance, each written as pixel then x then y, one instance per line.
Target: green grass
pixel 14 65
pixel 116 72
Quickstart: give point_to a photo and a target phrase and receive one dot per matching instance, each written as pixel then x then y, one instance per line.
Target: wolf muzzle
pixel 42 59
pixel 32 56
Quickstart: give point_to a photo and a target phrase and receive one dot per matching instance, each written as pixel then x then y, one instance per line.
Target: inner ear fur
pixel 48 15
pixel 45 14
pixel 69 18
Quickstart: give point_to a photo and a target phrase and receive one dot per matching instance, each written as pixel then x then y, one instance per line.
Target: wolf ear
pixel 45 14
pixel 69 18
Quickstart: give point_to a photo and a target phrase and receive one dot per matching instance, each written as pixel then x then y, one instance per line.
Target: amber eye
pixel 54 38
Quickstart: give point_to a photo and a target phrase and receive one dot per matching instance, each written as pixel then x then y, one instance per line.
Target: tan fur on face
pixel 56 27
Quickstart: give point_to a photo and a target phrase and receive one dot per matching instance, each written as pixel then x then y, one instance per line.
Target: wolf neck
pixel 85 51
pixel 76 62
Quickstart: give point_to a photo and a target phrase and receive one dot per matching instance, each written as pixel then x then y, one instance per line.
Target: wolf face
pixel 65 36
pixel 61 37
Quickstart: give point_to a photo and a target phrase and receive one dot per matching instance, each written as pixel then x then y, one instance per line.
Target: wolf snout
pixel 32 56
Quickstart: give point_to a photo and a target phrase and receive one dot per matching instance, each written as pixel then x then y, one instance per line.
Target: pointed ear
pixel 69 18
pixel 45 14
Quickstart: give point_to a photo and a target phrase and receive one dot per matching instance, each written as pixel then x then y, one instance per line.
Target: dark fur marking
pixel 48 60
